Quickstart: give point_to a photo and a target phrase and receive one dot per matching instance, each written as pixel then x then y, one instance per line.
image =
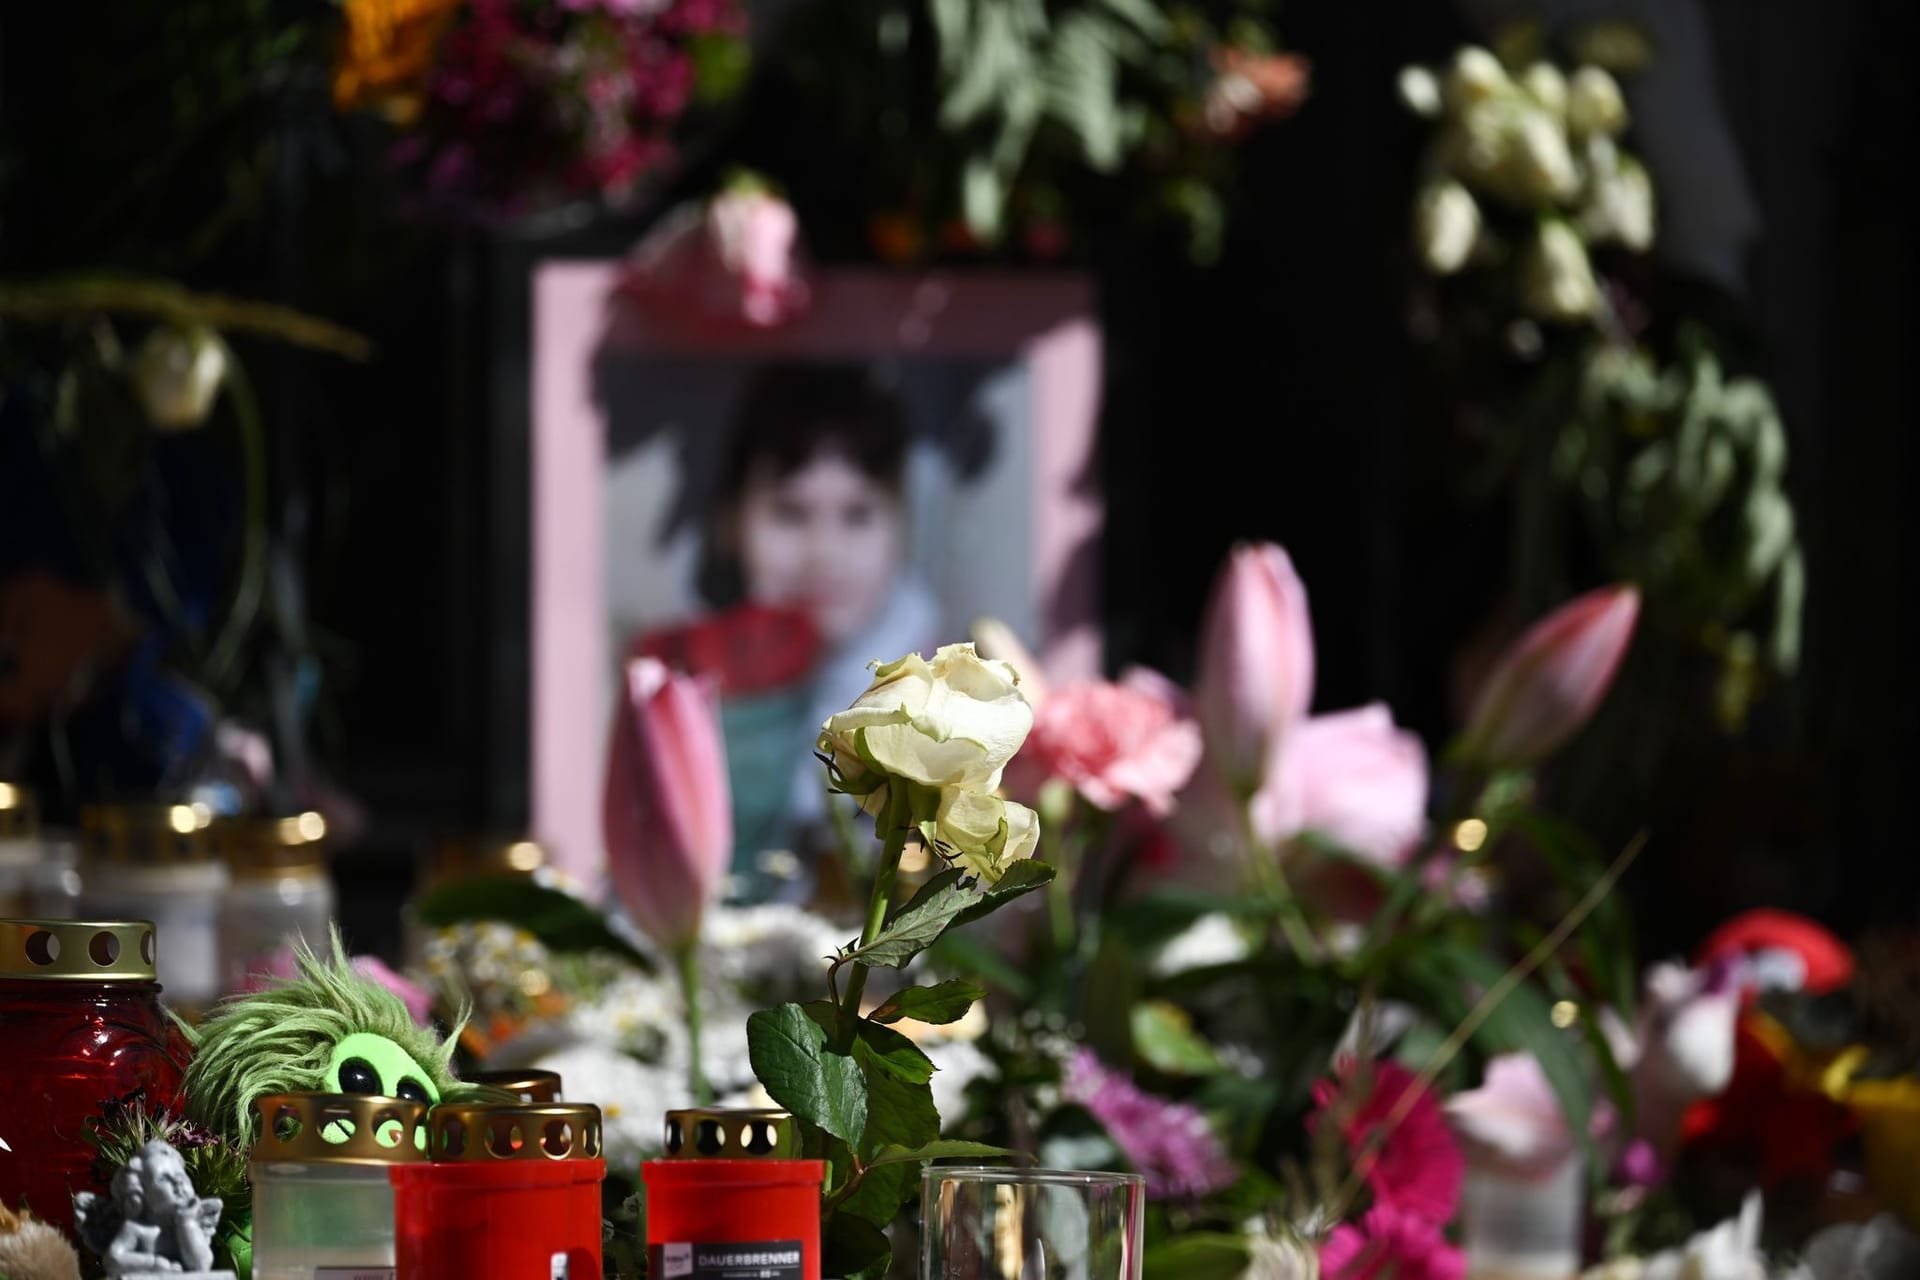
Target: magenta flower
pixel 1547 686
pixel 1390 1244
pixel 1169 1142
pixel 1417 1168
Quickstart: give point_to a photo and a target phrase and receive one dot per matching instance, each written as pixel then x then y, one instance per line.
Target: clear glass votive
pixel 1523 1225
pixel 983 1223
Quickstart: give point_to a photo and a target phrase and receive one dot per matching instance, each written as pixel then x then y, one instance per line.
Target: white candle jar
pixel 157 862
pixel 1523 1224
pixel 322 1200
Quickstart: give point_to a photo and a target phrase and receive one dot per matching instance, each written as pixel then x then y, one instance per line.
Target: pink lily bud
pixel 1256 664
pixel 1548 684
pixel 667 811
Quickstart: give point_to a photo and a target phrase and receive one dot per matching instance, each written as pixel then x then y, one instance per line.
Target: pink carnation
pixel 1112 742
pixel 1390 1244
pixel 1417 1168
pixel 1169 1142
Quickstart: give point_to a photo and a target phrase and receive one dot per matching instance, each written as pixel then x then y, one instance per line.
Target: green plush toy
pixel 327 1029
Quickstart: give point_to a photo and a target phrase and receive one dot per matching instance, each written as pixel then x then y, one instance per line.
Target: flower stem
pixel 689 959
pixel 884 877
pixel 1273 878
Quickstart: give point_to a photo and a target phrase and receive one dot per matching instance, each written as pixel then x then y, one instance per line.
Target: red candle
pixel 730 1199
pixel 511 1190
pixel 81 1021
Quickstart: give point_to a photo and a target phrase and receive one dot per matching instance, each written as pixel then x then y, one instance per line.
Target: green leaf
pixel 889 1051
pixel 949 898
pixel 854 1248
pixel 789 1053
pixel 1021 878
pixel 937 1005
pixel 1164 1038
pixel 559 920
pixel 900 1113
pixel 1197 1256
pixel 1455 976
pixel 944 1149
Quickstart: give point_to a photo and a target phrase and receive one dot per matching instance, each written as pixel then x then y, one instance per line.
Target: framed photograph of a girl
pixel 775 509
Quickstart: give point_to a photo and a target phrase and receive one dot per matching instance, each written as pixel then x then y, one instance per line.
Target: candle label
pixel 750 1260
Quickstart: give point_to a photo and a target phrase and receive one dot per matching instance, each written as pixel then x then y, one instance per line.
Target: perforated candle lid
pixel 731 1133
pixel 529 1084
pixel 339 1128
pixel 148 834
pixel 484 1132
pixel 77 950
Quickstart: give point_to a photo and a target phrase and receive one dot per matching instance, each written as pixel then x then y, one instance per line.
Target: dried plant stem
pixel 1495 995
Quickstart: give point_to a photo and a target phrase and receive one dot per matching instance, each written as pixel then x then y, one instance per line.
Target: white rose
pixel 1540 162
pixel 981 832
pixel 952 722
pixel 177 372
pixel 1475 76
pixel 1544 83
pixel 1595 104
pixel 1446 223
pixel 1619 207
pixel 1556 279
pixel 1420 92
pixel 1514 150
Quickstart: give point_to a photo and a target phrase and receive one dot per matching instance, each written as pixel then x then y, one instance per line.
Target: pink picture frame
pixel 1044 324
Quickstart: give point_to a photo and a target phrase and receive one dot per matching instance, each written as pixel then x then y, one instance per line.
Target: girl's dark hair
pixel 789 416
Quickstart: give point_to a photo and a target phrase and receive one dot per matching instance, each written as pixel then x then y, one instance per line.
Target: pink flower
pixel 732 263
pixel 1417 1167
pixel 1170 1143
pixel 279 967
pixel 1112 742
pixel 1514 1118
pixel 1256 664
pixel 1680 1051
pixel 667 810
pixel 1390 1244
pixel 1352 777
pixel 1548 684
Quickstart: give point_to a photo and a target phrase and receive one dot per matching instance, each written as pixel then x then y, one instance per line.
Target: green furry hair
pixel 281 1039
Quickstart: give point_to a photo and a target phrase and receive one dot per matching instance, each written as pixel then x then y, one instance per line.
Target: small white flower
pixel 177 372
pixel 1544 83
pixel 1475 76
pixel 1420 92
pixel 1211 940
pixel 1556 279
pixel 1595 104
pixel 1446 225
pixel 1619 207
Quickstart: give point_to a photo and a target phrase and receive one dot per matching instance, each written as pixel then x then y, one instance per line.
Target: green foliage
pixel 1200 1256
pixel 941 1003
pixel 559 920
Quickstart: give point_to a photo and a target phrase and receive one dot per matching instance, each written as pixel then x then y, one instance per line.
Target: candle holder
pixel 321 1195
pixel 81 1021
pixel 733 1197
pixel 997 1223
pixel 512 1189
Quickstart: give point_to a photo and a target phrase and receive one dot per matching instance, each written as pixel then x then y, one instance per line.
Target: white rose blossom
pixel 1595 104
pixel 1475 76
pixel 1556 278
pixel 943 730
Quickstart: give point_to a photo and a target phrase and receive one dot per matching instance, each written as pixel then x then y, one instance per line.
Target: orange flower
pixel 1251 88
pixel 386 54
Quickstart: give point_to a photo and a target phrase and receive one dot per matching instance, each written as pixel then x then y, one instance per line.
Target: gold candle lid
pixel 150 834
pixel 19 812
pixel 261 847
pixel 339 1128
pixel 77 950
pixel 474 1132
pixel 530 1085
pixel 731 1133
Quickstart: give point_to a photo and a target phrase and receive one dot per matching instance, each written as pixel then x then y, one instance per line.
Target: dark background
pixel 1275 395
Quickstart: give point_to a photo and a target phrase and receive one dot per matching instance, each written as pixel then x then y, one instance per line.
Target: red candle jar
pixel 512 1189
pixel 732 1199
pixel 81 1022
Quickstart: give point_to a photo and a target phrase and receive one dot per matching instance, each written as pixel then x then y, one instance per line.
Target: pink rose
pixel 732 263
pixel 1112 742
